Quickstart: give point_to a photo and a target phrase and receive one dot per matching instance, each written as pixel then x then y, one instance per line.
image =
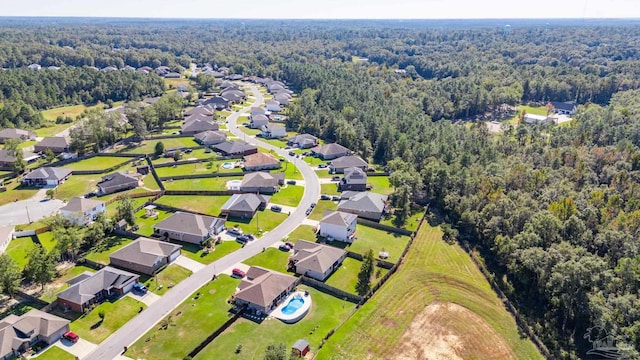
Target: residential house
pixel 260 161
pixel 34 67
pixel 92 288
pixel 6 160
pixel 19 333
pixel 109 68
pixel 262 182
pixel 150 100
pixel 282 98
pixel 197 126
pixel 354 179
pixel 273 106
pixel 16 134
pixel 275 86
pixel 303 141
pixel 236 148
pixel 56 144
pixel 208 138
pixel 258 121
pixel 162 70
pixel 536 119
pixel 338 225
pixel 258 111
pixel 172 75
pixel 316 261
pixel 206 110
pixel 244 206
pixel 188 227
pixel 81 211
pixel 145 256
pixel 565 108
pixel 262 290
pixel 117 182
pixel 235 77
pixel 46 176
pixel 228 85
pixel 274 131
pixel 330 151
pixel 198 117
pixel 366 204
pixel 339 165
pixel 235 95
pixel 217 102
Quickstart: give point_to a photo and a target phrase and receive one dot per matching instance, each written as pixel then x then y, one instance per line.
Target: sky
pixel 326 9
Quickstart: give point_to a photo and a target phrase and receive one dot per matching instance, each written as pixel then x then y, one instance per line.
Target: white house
pixel 536 119
pixel 339 225
pixel 273 106
pixel 82 211
pixel 274 131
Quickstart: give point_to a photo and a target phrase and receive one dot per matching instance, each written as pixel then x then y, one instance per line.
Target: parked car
pixel 309 210
pixel 284 247
pixel 313 205
pixel 322 166
pixel 335 198
pixel 71 336
pixel 325 197
pixel 250 236
pixel 291 182
pixel 280 159
pixel 289 244
pixel 140 288
pixel 238 273
pixel 90 195
pixel 287 147
pixel 335 178
pixel 291 153
pixel 188 151
pixel 234 231
pixel 242 239
pixel 276 208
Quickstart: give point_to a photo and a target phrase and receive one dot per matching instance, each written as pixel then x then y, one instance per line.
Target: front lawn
pixel 304 232
pixel 324 174
pixel 288 196
pixel 203 204
pixel 55 353
pixel 167 278
pixel 117 313
pixel 216 184
pixel 19 249
pixel 189 324
pixel 262 222
pixel 271 258
pixel 325 314
pixel 291 172
pixel 195 252
pixel 380 184
pixel 376 240
pixel 149 146
pixel 100 253
pixel 321 207
pixel 96 163
pixel 16 192
pixel 329 189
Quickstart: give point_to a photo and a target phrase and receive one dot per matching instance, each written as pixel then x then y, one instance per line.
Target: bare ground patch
pixel 452 332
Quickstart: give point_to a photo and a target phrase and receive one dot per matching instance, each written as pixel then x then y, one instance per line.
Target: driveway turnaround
pixel 114 346
pixel 29 210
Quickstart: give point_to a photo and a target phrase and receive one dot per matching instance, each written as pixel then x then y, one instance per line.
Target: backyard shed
pixel 300 348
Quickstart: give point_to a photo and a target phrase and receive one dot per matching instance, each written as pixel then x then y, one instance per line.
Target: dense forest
pixel 554 210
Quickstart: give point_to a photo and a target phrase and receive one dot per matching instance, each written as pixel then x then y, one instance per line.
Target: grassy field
pixel 19 249
pixel 77 185
pixel 271 258
pixel 346 277
pixel 149 146
pixel 15 192
pixel 380 184
pixel 47 241
pixel 219 183
pixel 189 324
pixel 203 204
pixel 59 284
pixel 291 172
pixel 167 278
pixel 117 313
pixel 324 174
pixel 410 224
pixel 376 240
pixel 262 222
pixel 195 154
pixel 174 83
pixel 55 353
pixel 196 252
pixel 289 195
pixel 538 110
pixel 197 168
pixel 96 163
pixel 321 207
pixel 329 189
pixel 71 111
pixel 100 253
pixel 434 273
pixel 304 232
pixel 326 312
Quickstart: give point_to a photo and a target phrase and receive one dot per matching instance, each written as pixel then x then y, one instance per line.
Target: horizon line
pixel 307 19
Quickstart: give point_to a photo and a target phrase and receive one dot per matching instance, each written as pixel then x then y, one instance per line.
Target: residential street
pixel 33 209
pixel 130 332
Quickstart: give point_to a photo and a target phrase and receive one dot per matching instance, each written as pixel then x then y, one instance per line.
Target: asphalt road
pixel 32 209
pixel 136 328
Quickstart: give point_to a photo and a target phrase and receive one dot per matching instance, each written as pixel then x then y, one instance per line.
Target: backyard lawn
pixel 96 163
pixel 376 240
pixel 380 184
pixel 19 249
pixel 149 146
pixel 411 224
pixel 321 207
pixel 55 353
pixel 167 278
pixel 145 223
pixel 77 185
pixel 189 324
pixel 15 192
pixel 203 204
pixel 139 201
pixel 117 313
pixel 326 313
pixel 196 252
pixel 288 196
pixel 346 277
pixel 100 253
pixel 262 222
pixel 216 184
pixel 47 241
pixel 195 154
pixel 196 168
pixel 59 283
pixel 329 189
pixel 271 258
pixel 304 232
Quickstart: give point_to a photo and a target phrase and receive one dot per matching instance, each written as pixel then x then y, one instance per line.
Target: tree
pixel 97 231
pixel 125 211
pixel 9 275
pixel 41 266
pixel 177 155
pixel 50 193
pixel 364 276
pixel 70 241
pixel 49 156
pixel 275 352
pixel 159 150
pixel 13 149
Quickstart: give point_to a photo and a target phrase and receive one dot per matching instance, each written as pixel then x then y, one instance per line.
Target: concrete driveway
pixel 80 349
pixel 147 299
pixel 189 264
pixel 29 210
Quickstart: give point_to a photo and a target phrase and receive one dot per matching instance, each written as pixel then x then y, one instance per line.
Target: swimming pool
pixel 293 308
pixel 234 185
pixel 227 165
pixel 294 304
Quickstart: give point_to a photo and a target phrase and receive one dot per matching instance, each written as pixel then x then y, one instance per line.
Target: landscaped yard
pixel 15 192
pixel 329 189
pixel 326 313
pixel 538 110
pixel 216 184
pixel 346 277
pixel 100 253
pixel 195 154
pixel 376 240
pixel 196 253
pixel 291 172
pixel 167 278
pixel 19 249
pixel 55 353
pixel 77 185
pixel 203 204
pixel 288 196
pixel 47 241
pixel 410 224
pixel 149 146
pixel 262 222
pixel 145 223
pixel 196 168
pixel 271 258
pixel 321 207
pixel 380 184
pixel 117 313
pixel 304 232
pixel 59 284
pixel 113 207
pixel 189 324
pixel 324 174
pixel 96 163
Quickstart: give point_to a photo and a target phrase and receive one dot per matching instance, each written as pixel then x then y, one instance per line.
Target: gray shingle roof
pixel 16 134
pixel 260 179
pixel 338 218
pixel 145 251
pixel 117 179
pixel 199 125
pixel 316 257
pixel 348 161
pixel 330 149
pixel 81 204
pixel 244 202
pixel 363 201
pixel 211 136
pixel 15 330
pixel 234 147
pixel 49 173
pixel 54 142
pixel 188 223
pixel 262 286
pixel 105 279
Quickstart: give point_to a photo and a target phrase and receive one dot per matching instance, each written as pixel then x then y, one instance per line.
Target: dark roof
pixel 234 147
pixel 244 202
pixel 145 251
pixel 16 134
pixel 218 102
pixel 6 157
pixel 199 125
pixel 316 257
pixel 105 279
pixel 211 136
pixel 16 330
pixel 330 149
pixel 207 110
pixel 49 173
pixel 566 106
pixel 117 179
pixel 54 142
pixel 262 286
pixel 77 204
pixel 188 223
pixel 362 201
pixel 348 161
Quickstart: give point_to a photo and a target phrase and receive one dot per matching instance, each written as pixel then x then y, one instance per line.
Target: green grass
pixel 71 111
pixel 538 110
pixel 291 172
pixel 411 223
pixel 97 163
pixel 55 353
pixel 19 249
pixel 321 207
pixel 312 160
pixel 145 224
pixel 15 192
pixel 202 204
pixel 346 277
pixel 47 241
pixel 197 168
pixel 150 182
pixel 288 196
pixel 26 144
pixel 113 207
pixel 271 258
pixel 376 240
pixel 433 271
pixel 19 309
pixel 117 313
pixel 167 278
pixel 196 252
pixel 329 189
pixel 100 253
pixel 59 284
pixel 326 312
pixel 173 83
pixel 189 324
pixel 219 183
pixel 304 232
pixel 324 174
pixel 197 153
pixel 77 185
pixel 149 146
pixel 380 184
pixel 262 222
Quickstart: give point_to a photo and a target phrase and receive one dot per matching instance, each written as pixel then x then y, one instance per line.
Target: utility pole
pixel 28 216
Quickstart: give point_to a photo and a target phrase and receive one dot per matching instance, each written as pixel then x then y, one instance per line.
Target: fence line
pixel 387 228
pixel 216 333
pixel 320 286
pixel 201 176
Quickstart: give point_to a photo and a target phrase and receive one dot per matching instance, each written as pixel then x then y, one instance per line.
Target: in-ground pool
pixel 227 165
pixel 234 184
pixel 293 305
pixel 293 308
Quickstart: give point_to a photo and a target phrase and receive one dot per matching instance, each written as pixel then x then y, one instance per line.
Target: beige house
pixel 316 261
pixel 262 289
pixel 19 333
pixel 145 256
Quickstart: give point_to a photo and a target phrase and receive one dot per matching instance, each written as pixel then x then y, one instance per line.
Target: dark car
pixel 291 182
pixel 335 178
pixel 325 197
pixel 313 205
pixel 251 237
pixel 71 336
pixel 291 153
pixel 90 195
pixel 242 239
pixel 289 244
pixel 284 247
pixel 309 210
pixel 139 288
pixel 276 208
pixel 322 166
pixel 335 198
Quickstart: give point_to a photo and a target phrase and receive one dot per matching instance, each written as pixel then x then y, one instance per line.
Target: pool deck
pixel 298 315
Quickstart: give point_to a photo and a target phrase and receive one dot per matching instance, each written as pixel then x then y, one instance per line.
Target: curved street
pixel 137 327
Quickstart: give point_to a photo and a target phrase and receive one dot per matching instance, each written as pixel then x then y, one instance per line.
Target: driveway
pixel 189 264
pixel 147 299
pixel 79 349
pixel 29 210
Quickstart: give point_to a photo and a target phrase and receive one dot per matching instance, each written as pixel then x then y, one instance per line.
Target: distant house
pixel 206 110
pixel 262 290
pixel 339 165
pixel 16 134
pixel 565 108
pixel 330 151
pixel 366 204
pixel 162 70
pixel 34 67
pixel 235 95
pixel 19 333
pixel 150 100
pixel 262 182
pixel 236 148
pixel 303 141
pixel 208 138
pixel 46 176
pixel 145 256
pixel 536 119
pixel 258 121
pixel 273 106
pixel 117 182
pixel 235 77
pixel 275 86
pixel 6 160
pixel 244 206
pixel 218 102
pixel 198 126
pixel 354 179
pixel 300 348
pixel 258 111
pixel 198 117
pixel 282 98
pixel 260 161
pixel 81 211
pixel 92 288
pixel 172 75
pixel 188 227
pixel 316 261
pixel 274 131
pixel 56 144
pixel 338 225
pixel 109 68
